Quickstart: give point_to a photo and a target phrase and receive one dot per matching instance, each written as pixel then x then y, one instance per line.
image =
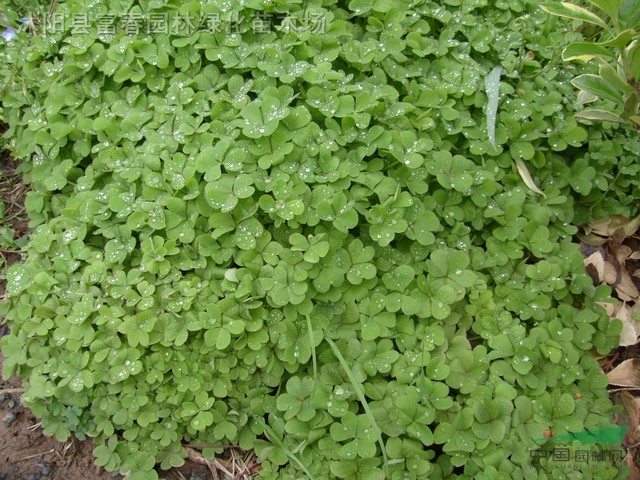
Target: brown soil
pixel 26 454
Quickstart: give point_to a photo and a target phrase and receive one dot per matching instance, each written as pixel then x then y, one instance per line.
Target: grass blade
pixel 492 88
pixel 274 438
pixel 313 349
pixel 363 400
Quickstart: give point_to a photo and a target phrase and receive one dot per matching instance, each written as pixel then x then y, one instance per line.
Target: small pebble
pixel 9 418
pixel 33 476
pixel 44 469
pixel 11 404
pixel 195 476
pixel 3 397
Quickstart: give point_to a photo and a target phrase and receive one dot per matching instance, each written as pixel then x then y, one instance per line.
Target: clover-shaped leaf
pixel 361 268
pixel 223 194
pixel 359 434
pixel 376 321
pixel 378 357
pixel 295 403
pixel 261 117
pixel 400 278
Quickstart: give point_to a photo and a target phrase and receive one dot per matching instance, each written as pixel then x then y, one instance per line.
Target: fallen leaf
pixel 592 239
pixel 594 264
pixel 632 407
pixel 629 334
pixel 609 307
pixel 526 177
pixel 607 227
pixel 627 374
pixel 622 253
pixel 626 288
pixel 610 274
pixel 616 239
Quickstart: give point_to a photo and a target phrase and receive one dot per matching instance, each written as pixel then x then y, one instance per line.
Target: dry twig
pixel 11 390
pixel 35 455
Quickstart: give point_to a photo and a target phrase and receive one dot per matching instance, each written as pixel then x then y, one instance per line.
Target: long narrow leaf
pixel 274 438
pixel 610 7
pixel 613 78
pixel 586 51
pixel 621 40
pixel 598 86
pixel 312 340
pixel 629 13
pixel 492 88
pixel 602 115
pixel 358 388
pixel 569 10
pixel 526 177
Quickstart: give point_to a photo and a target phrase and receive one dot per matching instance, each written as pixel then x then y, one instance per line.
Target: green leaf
pixel 629 14
pixel 522 150
pixel 610 7
pixel 621 40
pixel 492 87
pixel 575 12
pixel 586 51
pixel 596 85
pixel 600 115
pixel 375 430
pixel 202 420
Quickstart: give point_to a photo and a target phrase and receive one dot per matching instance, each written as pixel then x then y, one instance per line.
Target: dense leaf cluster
pixel 304 243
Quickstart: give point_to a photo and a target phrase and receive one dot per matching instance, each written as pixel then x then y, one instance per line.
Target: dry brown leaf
pixel 610 308
pixel 627 374
pixel 610 273
pixel 632 408
pixel 607 227
pixel 598 227
pixel 629 334
pixel 635 255
pixel 622 253
pixel 594 264
pixel 592 239
pixel 626 288
pixel 526 177
pixel 616 239
pixel 625 313
pixel 632 405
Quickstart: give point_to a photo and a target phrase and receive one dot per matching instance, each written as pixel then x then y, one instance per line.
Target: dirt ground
pixel 26 454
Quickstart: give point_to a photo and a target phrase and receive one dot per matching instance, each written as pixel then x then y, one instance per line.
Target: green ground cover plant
pixel 618 52
pixel 322 242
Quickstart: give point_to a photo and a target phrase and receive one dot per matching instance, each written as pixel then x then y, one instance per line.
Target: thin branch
pixel 623 389
pixel 11 390
pixel 35 455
